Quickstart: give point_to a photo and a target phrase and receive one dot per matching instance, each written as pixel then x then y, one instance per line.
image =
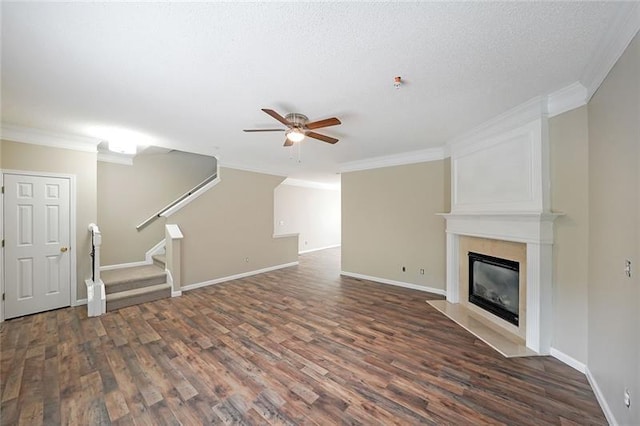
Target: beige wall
pixel 568 136
pixel 311 212
pixel 128 195
pixel 614 217
pixel 229 224
pixel 26 157
pixel 389 221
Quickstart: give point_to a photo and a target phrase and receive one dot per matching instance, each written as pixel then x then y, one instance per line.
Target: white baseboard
pixel 318 249
pixel 571 362
pixel 237 276
pixel 148 259
pixel 125 265
pixel 601 400
pixel 176 293
pixel 80 302
pixel 396 283
pixel 157 249
pixel 581 367
pixel 294 234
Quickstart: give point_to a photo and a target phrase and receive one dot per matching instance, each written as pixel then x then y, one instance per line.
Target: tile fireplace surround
pixel 535 230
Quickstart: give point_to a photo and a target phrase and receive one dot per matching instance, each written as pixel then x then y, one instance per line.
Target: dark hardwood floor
pixel 300 345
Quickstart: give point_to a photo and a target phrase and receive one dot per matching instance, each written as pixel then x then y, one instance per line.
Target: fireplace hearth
pixel 494 285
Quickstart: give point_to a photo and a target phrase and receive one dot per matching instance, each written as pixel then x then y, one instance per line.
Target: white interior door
pixel 37 264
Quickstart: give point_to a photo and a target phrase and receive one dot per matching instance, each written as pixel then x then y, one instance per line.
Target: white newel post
pixel 173 238
pixel 96 295
pixel 96 242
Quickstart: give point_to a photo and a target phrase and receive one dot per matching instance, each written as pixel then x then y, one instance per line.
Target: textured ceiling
pixel 191 76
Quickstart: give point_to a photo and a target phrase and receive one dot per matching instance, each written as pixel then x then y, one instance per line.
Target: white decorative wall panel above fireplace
pixel 504 173
pixel 500 191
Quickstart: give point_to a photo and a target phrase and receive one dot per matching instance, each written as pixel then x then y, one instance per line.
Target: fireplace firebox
pixel 494 285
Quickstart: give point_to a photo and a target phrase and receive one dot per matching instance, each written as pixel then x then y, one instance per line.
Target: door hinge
pixel 3 296
pixel 3 189
pixel 2 243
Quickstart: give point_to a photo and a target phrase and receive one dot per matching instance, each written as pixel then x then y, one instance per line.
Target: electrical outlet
pixel 627 398
pixel 421 271
pixel 246 259
pixel 627 268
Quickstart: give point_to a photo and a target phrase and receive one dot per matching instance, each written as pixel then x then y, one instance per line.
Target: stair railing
pixel 182 200
pixel 96 296
pixel 96 242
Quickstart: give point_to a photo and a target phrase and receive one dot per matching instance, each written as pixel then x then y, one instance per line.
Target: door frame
pixel 73 242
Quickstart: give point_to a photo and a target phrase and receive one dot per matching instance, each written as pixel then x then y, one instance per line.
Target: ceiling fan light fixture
pixel 299 127
pixel 295 135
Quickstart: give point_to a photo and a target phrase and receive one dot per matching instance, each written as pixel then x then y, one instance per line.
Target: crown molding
pixel 562 100
pixel 46 138
pixel 411 157
pixel 611 46
pixel 115 158
pixel 570 97
pixel 311 184
pixel 516 117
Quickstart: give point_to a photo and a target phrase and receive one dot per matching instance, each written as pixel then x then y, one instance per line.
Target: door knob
pixel 63 249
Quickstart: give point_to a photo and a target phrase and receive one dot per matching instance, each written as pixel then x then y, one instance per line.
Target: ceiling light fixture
pixel 295 135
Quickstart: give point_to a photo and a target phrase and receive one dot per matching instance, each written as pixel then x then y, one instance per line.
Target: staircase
pixel 131 286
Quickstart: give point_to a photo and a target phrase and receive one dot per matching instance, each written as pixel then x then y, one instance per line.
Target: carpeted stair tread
pixel 138 295
pixel 118 280
pixel 137 291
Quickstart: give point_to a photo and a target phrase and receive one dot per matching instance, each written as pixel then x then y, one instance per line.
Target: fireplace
pixel 500 193
pixel 500 235
pixel 494 285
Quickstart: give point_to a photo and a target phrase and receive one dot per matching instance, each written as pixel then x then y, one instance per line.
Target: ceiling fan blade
pixel 322 138
pixel 323 123
pixel 277 116
pixel 263 130
pixel 287 142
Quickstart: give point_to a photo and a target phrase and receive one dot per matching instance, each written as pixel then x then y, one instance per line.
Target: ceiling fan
pixel 298 126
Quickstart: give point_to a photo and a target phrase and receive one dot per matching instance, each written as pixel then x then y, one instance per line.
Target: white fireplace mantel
pixel 521 227
pixel 533 229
